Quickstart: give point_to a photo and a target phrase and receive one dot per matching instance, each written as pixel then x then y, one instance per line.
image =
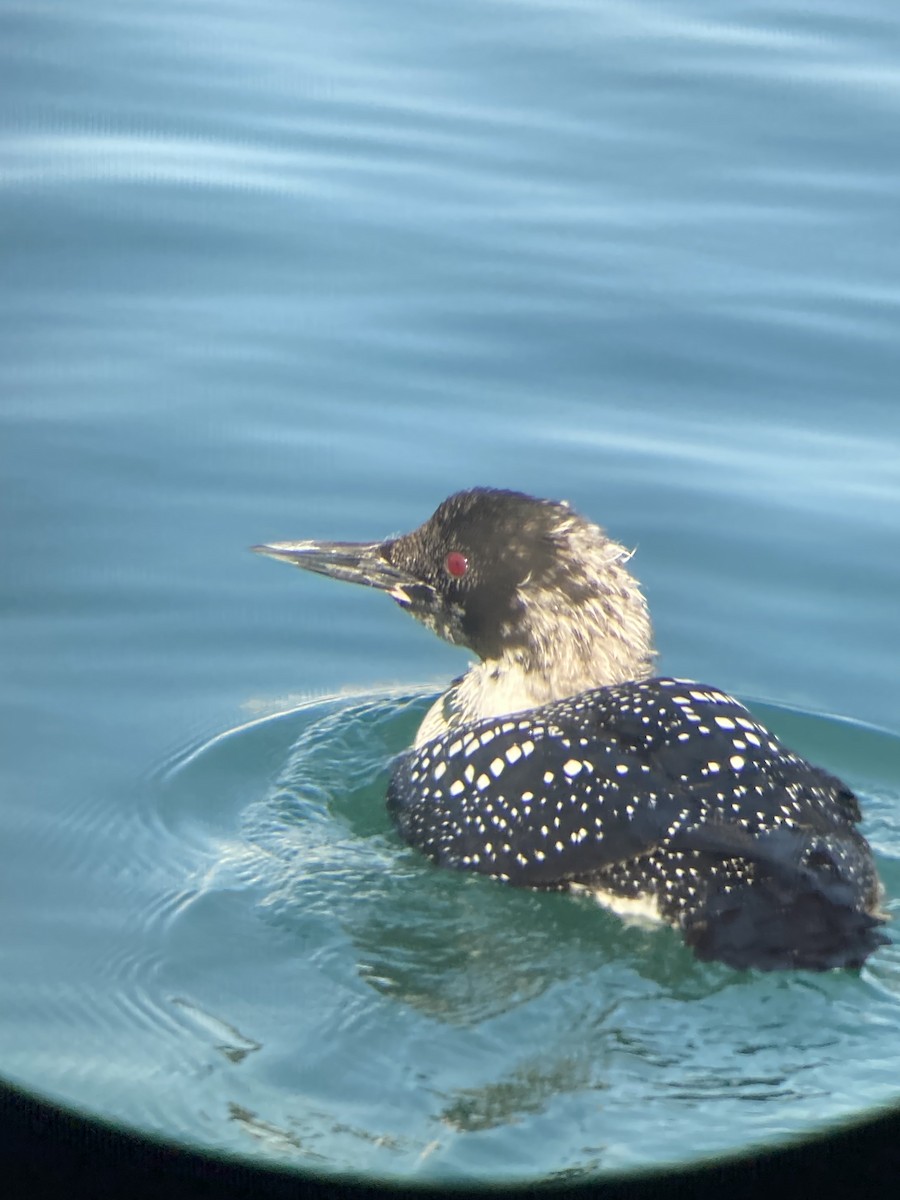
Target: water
pixel 279 270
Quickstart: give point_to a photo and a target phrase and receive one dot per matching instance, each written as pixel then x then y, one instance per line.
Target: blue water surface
pixel 282 270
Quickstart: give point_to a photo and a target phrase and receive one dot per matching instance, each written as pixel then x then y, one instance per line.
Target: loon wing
pixel 522 799
pixel 660 787
pixel 560 792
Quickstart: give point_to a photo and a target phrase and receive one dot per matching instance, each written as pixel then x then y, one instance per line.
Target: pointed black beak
pixel 354 562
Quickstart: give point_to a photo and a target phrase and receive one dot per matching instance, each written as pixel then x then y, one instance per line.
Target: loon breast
pixel 661 792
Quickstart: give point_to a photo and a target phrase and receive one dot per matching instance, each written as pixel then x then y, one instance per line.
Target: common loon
pixel 557 761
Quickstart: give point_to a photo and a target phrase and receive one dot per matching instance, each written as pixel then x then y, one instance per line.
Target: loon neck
pixel 494 689
pixel 584 627
pixel 519 681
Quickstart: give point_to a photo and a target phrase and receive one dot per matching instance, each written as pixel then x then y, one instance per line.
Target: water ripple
pixel 289 954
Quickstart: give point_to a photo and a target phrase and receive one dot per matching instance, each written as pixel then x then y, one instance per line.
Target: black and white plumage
pixel 665 792
pixel 557 762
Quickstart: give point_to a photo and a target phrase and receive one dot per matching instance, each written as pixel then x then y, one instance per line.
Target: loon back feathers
pixel 664 791
pixel 556 761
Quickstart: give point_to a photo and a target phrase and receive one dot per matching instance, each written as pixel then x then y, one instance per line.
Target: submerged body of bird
pixel 557 761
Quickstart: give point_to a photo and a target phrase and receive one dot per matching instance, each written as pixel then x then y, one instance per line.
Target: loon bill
pixel 557 761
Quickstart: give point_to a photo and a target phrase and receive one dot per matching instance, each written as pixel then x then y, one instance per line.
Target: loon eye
pixel 456 564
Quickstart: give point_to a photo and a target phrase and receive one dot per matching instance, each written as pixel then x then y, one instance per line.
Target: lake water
pixel 282 270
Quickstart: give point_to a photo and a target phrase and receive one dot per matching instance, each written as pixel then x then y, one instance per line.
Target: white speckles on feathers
pixel 644 813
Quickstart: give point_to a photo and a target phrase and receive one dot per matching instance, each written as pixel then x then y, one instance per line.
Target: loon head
pixel 528 584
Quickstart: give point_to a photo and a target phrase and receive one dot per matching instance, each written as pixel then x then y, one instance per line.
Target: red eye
pixel 457 564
